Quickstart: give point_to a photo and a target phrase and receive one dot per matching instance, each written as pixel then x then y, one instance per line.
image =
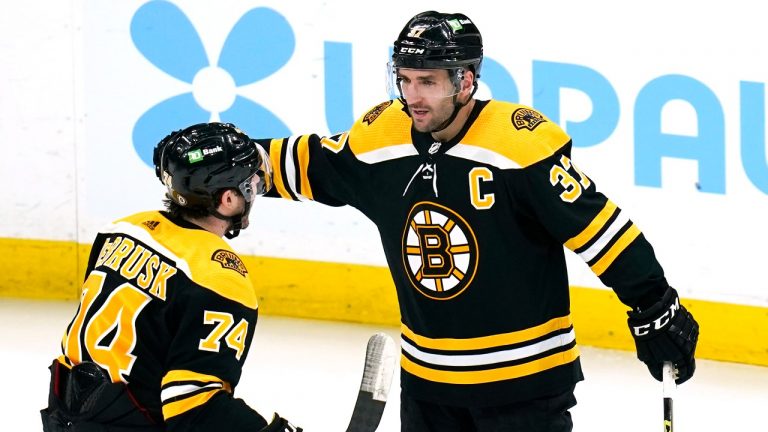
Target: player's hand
pixel 665 331
pixel 279 424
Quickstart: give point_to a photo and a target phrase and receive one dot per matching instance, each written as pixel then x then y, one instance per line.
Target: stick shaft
pixel 668 386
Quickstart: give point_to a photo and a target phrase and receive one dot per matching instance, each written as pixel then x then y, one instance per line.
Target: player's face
pixel 257 184
pixel 428 93
pixel 245 207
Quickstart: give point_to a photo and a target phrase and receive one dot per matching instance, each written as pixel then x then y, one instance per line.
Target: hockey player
pixel 167 310
pixel 474 201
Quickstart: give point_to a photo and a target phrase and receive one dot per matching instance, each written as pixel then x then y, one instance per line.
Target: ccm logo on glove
pixel 660 322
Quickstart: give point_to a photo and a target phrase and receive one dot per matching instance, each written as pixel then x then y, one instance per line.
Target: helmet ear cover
pixel 457 76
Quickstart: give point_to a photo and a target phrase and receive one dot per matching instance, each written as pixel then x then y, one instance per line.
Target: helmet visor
pixel 416 84
pixel 260 182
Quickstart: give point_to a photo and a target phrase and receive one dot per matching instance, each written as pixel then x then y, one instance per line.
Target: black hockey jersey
pixel 473 231
pixel 167 308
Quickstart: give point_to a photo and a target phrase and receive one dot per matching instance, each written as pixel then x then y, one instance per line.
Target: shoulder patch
pixel 510 136
pixel 374 113
pixel 372 143
pixel 527 118
pixel 229 260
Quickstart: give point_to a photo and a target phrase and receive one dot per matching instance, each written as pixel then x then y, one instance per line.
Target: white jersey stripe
pixel 489 358
pixel 388 153
pixel 289 169
pixel 182 389
pixel 599 245
pixel 483 155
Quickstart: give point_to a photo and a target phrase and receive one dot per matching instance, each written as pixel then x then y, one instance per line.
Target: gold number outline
pixel 234 335
pixel 119 312
pixel 560 175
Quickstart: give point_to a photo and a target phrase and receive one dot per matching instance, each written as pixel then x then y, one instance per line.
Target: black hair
pixel 179 211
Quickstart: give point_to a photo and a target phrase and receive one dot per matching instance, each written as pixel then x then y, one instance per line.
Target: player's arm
pixel 225 412
pixel 334 170
pixel 310 167
pixel 566 201
pixel 205 362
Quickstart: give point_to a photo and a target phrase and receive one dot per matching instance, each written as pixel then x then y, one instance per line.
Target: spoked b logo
pixel 439 251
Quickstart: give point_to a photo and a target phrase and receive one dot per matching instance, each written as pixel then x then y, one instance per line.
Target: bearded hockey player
pixel 474 201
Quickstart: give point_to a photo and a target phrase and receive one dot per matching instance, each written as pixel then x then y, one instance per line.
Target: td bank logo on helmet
pixel 439 251
pixel 198 154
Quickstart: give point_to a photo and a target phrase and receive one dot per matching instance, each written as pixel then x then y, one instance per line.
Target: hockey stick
pixel 669 386
pixel 380 359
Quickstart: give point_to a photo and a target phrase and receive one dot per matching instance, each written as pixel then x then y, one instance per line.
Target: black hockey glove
pixel 280 424
pixel 665 331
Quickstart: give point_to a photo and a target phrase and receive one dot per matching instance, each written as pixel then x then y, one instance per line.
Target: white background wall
pixel 73 84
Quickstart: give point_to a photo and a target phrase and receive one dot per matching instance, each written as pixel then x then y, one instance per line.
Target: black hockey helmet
pixel 197 162
pixel 434 40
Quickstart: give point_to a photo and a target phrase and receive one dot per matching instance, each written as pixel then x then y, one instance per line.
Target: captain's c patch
pixel 229 260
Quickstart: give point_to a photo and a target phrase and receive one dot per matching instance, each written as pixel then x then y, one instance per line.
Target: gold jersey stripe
pixel 275 153
pixel 490 375
pixel 605 261
pixel 302 149
pixel 187 375
pixel 181 406
pixel 593 228
pixel 492 341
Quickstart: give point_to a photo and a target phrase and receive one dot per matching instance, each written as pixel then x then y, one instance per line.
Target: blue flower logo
pixel 260 43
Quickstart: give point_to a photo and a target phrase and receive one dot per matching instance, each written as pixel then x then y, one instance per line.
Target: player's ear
pixel 468 82
pixel 229 203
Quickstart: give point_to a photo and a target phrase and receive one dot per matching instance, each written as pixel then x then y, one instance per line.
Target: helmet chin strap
pixel 236 226
pixel 235 222
pixel 457 106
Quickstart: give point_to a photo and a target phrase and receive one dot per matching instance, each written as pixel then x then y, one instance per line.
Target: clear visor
pixel 415 84
pixel 259 182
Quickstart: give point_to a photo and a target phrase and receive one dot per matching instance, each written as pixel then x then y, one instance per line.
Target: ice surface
pixel 309 372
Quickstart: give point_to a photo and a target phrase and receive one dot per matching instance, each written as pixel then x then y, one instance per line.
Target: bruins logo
pixel 439 251
pixel 229 260
pixel 527 118
pixel 373 114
